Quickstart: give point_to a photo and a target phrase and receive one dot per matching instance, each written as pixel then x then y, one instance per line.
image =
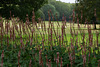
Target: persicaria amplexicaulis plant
pixel 49 44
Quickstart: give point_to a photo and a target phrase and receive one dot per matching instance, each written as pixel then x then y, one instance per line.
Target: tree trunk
pixel 94 26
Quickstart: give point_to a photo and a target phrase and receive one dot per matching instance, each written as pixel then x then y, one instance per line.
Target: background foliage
pixel 58 7
pixel 19 8
pixel 87 7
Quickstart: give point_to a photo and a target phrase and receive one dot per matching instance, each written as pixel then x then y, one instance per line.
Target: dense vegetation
pixel 19 8
pixel 48 44
pixel 58 8
pixel 88 9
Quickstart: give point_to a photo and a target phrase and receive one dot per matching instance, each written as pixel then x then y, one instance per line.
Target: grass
pixel 39 30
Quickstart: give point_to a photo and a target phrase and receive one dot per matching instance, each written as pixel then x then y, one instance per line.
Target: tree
pixel 60 8
pixel 20 7
pixel 49 7
pixel 63 8
pixel 41 14
pixel 88 9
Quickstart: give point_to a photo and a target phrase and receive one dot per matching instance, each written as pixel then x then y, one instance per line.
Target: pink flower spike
pixel 2 56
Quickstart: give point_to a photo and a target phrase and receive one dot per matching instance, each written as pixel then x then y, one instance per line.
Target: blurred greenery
pixel 19 8
pixel 86 8
pixel 58 7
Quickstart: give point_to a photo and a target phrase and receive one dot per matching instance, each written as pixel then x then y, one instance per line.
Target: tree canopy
pixel 59 8
pixel 20 7
pixel 88 9
pixel 47 8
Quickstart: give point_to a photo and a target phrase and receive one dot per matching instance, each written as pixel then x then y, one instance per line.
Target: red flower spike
pixel 30 63
pixel 61 63
pixel 2 56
